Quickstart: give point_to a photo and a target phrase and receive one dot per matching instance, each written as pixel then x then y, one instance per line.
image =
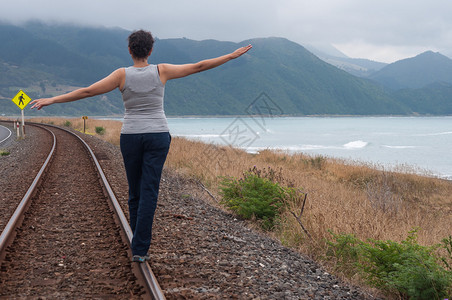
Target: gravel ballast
pixel 200 251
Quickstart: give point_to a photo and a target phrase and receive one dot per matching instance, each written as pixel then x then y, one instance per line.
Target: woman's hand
pixel 239 52
pixel 40 103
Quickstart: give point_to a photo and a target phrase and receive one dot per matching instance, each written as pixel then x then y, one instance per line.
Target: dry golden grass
pixel 111 133
pixel 344 197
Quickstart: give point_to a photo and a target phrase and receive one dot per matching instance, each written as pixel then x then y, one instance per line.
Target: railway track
pixel 198 252
pixel 5 134
pixel 68 236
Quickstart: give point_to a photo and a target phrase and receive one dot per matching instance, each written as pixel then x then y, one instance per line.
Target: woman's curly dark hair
pixel 140 43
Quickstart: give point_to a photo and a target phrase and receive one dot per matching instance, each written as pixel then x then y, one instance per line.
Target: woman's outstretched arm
pixel 169 71
pixel 105 85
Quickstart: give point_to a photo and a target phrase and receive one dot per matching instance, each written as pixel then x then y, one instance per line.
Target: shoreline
pixel 116 117
pixel 407 147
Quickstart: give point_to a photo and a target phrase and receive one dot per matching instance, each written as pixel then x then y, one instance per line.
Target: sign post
pixel 21 100
pixel 22 128
pixel 84 119
pixel 16 123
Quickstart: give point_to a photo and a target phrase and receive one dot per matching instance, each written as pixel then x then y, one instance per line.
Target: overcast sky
pixel 381 30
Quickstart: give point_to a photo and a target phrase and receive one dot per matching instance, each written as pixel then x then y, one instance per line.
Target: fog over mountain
pixel 46 60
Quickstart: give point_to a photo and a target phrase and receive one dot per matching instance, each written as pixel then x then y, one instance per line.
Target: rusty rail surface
pixel 10 133
pixel 148 278
pixel 145 269
pixel 8 232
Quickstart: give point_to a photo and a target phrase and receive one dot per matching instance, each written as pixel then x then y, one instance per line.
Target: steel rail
pixel 6 237
pixel 8 232
pixel 10 133
pixel 145 269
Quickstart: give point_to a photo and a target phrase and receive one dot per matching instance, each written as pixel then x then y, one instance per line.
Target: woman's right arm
pixel 169 71
pixel 114 80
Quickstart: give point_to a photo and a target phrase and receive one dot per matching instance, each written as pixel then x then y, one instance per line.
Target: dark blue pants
pixel 144 155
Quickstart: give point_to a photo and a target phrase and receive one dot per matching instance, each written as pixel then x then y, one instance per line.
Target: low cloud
pixel 385 30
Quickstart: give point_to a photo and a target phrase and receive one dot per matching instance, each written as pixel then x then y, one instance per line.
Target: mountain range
pixel 425 69
pixel 46 60
pixel 356 66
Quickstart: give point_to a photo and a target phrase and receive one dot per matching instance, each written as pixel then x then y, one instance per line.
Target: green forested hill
pixel 417 72
pixel 48 60
pixel 295 79
pixel 433 99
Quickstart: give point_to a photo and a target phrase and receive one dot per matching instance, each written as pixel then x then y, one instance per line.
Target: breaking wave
pixel 356 145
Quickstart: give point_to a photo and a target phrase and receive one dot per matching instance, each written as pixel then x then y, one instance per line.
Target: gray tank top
pixel 143 101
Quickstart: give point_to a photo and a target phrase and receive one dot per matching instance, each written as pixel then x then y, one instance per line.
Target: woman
pixel 145 137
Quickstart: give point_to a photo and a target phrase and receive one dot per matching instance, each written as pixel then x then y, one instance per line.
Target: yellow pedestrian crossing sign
pixel 21 99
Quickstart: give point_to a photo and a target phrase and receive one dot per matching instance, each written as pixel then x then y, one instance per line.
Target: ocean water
pixel 422 144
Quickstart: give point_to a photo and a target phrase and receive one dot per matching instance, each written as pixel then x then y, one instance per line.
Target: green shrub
pixel 67 123
pixel 253 197
pixel 4 152
pixel 100 130
pixel 406 268
pixel 345 248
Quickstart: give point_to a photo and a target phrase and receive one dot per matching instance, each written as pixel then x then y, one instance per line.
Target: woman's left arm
pixel 105 85
pixel 169 71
